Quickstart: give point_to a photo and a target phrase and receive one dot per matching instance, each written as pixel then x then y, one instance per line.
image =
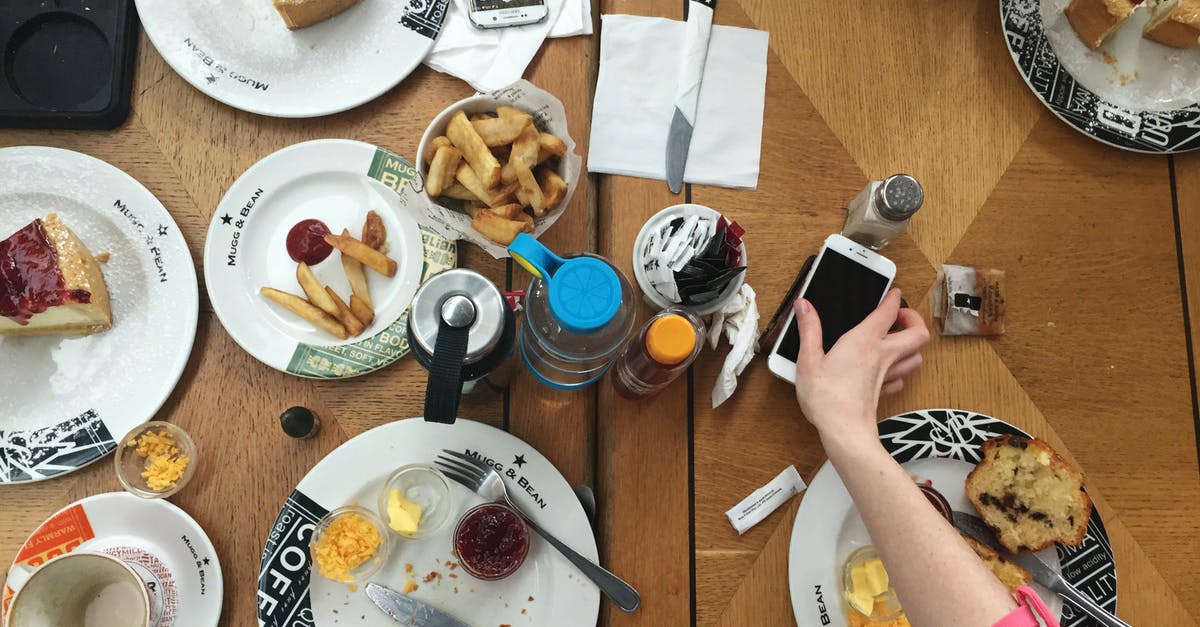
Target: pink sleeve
pixel 1030 613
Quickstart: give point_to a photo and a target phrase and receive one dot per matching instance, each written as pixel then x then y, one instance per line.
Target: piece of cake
pixel 1029 495
pixel 1095 20
pixel 304 13
pixel 1009 574
pixel 50 283
pixel 1175 23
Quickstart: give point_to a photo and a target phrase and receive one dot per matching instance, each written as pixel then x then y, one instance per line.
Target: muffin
pixel 1029 495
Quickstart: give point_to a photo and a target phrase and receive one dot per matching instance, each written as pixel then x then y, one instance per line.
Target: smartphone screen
pixel 492 5
pixel 844 292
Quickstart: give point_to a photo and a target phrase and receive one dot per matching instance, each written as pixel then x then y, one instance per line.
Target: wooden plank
pixel 643 465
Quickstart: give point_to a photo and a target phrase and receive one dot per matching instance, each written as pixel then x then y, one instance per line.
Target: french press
pixel 462 331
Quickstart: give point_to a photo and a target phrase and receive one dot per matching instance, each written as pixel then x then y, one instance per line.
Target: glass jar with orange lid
pixel 665 347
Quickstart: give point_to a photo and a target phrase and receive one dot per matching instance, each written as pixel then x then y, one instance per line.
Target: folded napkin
pixel 635 99
pixel 490 59
pixel 738 319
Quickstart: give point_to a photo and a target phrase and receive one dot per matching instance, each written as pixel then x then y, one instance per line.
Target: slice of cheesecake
pixel 1175 23
pixel 1095 20
pixel 303 13
pixel 50 283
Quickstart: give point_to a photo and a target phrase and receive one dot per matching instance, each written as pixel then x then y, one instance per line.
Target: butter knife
pixel 409 611
pixel 687 93
pixel 1042 573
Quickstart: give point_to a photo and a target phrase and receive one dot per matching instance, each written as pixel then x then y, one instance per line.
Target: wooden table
pixel 1100 247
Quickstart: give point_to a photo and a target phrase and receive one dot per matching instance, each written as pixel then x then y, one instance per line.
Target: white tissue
pixel 490 59
pixel 739 320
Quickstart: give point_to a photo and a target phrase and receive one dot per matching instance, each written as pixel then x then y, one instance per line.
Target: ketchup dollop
pixel 306 242
pixel 491 541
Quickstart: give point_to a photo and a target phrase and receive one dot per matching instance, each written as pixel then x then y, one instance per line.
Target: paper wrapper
pixel 450 219
pixel 969 300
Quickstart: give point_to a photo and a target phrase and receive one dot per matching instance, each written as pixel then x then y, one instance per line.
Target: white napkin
pixel 739 320
pixel 490 59
pixel 635 100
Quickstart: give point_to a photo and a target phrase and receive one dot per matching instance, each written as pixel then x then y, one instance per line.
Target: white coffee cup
pixel 80 588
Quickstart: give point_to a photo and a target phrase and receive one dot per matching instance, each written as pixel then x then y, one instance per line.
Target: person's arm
pixel 939 579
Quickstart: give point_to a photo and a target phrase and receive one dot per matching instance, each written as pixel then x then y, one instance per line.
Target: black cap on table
pixel 299 422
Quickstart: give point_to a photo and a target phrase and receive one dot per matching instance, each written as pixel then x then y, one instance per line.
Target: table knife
pixel 1042 573
pixel 687 94
pixel 409 611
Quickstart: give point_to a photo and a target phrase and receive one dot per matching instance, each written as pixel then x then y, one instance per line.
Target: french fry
pixel 481 116
pixel 501 154
pixel 438 142
pixel 511 211
pixel 374 233
pixel 314 290
pixel 355 275
pixel 369 257
pixel 474 150
pixel 362 310
pixel 552 144
pixel 353 325
pixel 306 310
pixel 529 185
pixel 508 174
pixel 493 197
pixel 543 155
pixel 496 228
pixel 458 191
pixel 554 188
pixel 525 147
pixel 507 111
pixel 502 130
pixel 528 221
pixel 441 169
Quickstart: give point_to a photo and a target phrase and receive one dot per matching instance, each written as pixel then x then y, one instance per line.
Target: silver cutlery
pixel 1041 571
pixel 409 611
pixel 687 99
pixel 482 479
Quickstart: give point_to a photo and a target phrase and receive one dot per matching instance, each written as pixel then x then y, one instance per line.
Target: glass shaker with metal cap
pixel 881 211
pixel 462 331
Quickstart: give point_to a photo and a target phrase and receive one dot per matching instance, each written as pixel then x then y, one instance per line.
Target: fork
pixel 482 479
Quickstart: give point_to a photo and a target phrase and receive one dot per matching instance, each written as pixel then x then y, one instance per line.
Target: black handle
pixel 445 373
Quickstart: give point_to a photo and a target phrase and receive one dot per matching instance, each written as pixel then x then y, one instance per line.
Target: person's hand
pixel 839 391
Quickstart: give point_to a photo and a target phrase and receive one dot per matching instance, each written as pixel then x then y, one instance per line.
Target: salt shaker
pixel 881 211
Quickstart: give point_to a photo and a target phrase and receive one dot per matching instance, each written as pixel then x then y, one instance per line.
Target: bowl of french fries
pixel 502 162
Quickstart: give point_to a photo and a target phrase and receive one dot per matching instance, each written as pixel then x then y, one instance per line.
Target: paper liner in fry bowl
pixel 450 219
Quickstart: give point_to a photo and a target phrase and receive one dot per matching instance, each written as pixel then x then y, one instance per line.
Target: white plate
pixel 240 53
pixel 1132 93
pixel 158 540
pixel 72 396
pixel 941 446
pixel 336 181
pixel 546 591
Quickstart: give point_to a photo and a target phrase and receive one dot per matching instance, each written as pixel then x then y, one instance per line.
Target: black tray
pixel 66 63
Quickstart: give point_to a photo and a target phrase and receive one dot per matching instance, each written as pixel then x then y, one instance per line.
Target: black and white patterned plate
pixel 1157 132
pixel 913 439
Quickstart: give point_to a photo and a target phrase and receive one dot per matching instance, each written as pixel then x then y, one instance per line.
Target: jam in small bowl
pixel 491 541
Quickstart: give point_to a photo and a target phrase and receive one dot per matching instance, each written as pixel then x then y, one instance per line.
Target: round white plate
pixel 941 446
pixel 545 591
pixel 157 539
pixel 240 53
pixel 336 181
pixel 71 397
pixel 1132 93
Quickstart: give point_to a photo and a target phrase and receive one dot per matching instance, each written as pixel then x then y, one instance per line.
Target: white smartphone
pixel 846 283
pixel 502 13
